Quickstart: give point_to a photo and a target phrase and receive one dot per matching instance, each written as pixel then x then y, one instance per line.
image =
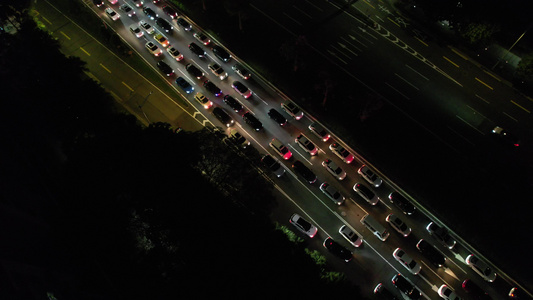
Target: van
pixel 376 228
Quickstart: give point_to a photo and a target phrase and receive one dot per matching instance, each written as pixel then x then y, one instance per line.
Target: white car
pixel 410 264
pixel 480 267
pixel 127 9
pixel 369 176
pixel 351 236
pixel 241 89
pixel 203 100
pixel 446 293
pixel 241 71
pixel 153 48
pixel 306 144
pixel 112 14
pixel 344 154
pixel 292 110
pixel 366 193
pixel 303 225
pixel 319 131
pixel 147 27
pixel 202 38
pixel 398 224
pixel 332 193
pixel 333 169
pixel 218 71
pixel 175 53
pixel 136 30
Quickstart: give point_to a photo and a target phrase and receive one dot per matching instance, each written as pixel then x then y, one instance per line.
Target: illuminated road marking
pixel 406 81
pixel 351 43
pixel 476 112
pixel 295 21
pixel 340 52
pixel 303 12
pixel 47 20
pixel 509 116
pixel 479 80
pixel 492 75
pixel 450 61
pixel 397 91
pixel 428 268
pixel 421 41
pixel 393 22
pixel 88 54
pixel 105 68
pixel 482 99
pixel 65 35
pixel 296 150
pixel 526 110
pixel 460 135
pixel 417 72
pixel 472 126
pixel 312 4
pixel 344 47
pixel 129 88
pixel 459 53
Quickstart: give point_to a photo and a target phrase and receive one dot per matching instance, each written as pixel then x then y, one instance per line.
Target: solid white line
pixel 406 81
pixel 470 125
pixel 416 72
pixel 509 116
pixel 398 91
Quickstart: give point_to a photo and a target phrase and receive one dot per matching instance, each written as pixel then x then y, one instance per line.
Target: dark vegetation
pixel 139 213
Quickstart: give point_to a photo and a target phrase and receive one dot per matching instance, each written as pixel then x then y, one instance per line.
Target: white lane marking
pixel 416 72
pixel 414 86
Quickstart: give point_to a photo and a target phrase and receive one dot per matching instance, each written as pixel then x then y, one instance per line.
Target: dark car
pixel 405 287
pixel 506 137
pixel 277 116
pixel 251 120
pixel 164 24
pixel 441 234
pixel 211 87
pixel 304 171
pixel 222 116
pixel 233 103
pixel 221 54
pixel 338 250
pixel 196 49
pixel 184 85
pixel 273 165
pixel 474 291
pixel 150 13
pixel 431 253
pixel 165 68
pixel 137 3
pixel 403 204
pixel 98 3
pixel 183 23
pixel 384 292
pixel 170 11
pixel 194 71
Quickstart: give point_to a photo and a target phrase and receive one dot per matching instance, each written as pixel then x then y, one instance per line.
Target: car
pixel 165 68
pixel 403 204
pixel 337 249
pixel 222 116
pixel 161 39
pixel 481 268
pixel 293 110
pixel 332 193
pixel 221 54
pixel 175 53
pixel 98 3
pixel 319 131
pixel 233 103
pixel 153 48
pixel 306 144
pixel 277 116
pixel 127 9
pixel 202 38
pixel 441 235
pixel 473 290
pixel 238 139
pixel 382 291
pixel 351 236
pixel 410 264
pixel 398 224
pixel 369 176
pixel 341 152
pixel 280 149
pixel 241 89
pixel 156 1
pixel 184 85
pixel 251 120
pixel 431 253
pixel 183 23
pixel 333 169
pixel 516 293
pixel 304 171
pixel 147 27
pixel 218 71
pixel 136 30
pixel 196 49
pixel 273 165
pixel 303 225
pixel 164 24
pixel 203 100
pixel 406 287
pixel 241 71
pixel 137 3
pixel 170 12
pixel 194 71
pixel 112 14
pixel 366 193
pixel 150 13
pixel 211 87
pixel 112 1
pixel 446 293
pixel 506 137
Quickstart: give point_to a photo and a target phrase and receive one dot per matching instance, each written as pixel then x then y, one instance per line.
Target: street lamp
pixel 141 106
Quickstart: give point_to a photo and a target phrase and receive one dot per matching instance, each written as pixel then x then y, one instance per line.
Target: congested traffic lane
pixel 351 212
